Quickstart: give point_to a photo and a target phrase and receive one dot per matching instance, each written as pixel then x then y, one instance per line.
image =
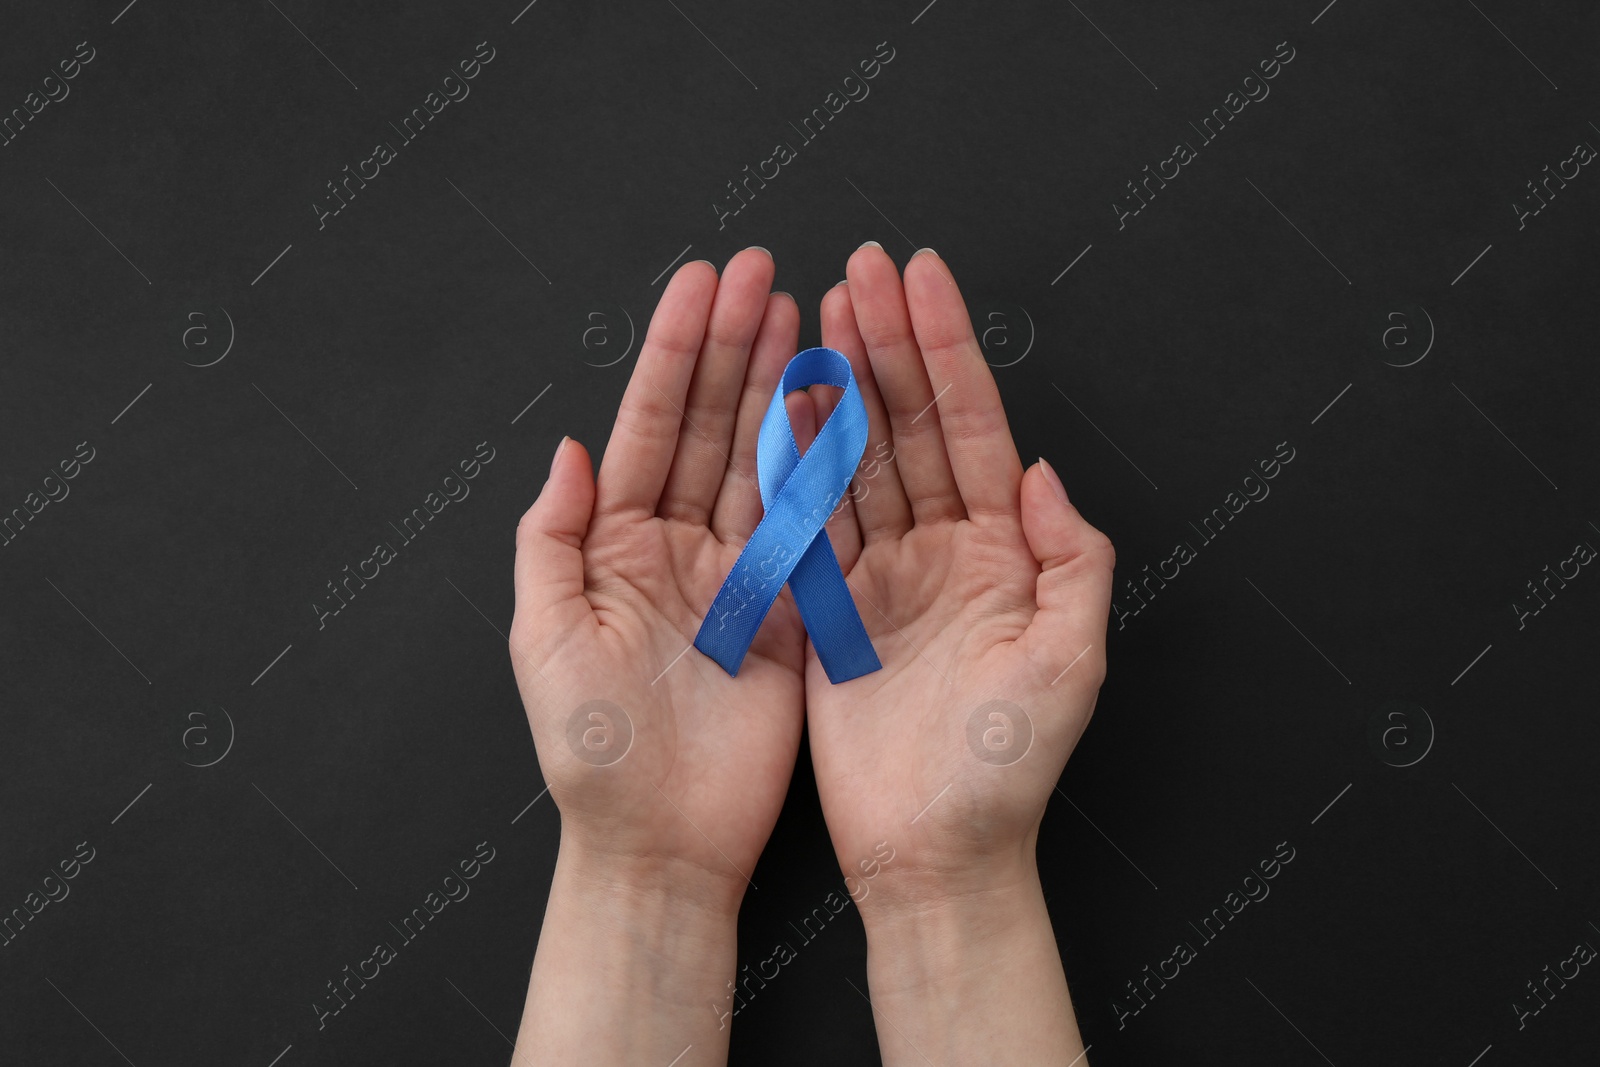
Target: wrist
pixel 921 943
pixel 647 885
pixel 647 940
pixel 909 889
pixel 973 977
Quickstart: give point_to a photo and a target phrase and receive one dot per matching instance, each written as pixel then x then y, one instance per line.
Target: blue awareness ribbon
pixel 789 545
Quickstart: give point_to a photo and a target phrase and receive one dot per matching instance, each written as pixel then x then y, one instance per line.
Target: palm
pixel 951 750
pixel 681 764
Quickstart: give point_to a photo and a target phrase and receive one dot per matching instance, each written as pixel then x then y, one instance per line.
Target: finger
pixel 548 575
pixel 1067 636
pixel 885 325
pixel 738 507
pixel 713 401
pixel 976 436
pixel 880 504
pixel 645 436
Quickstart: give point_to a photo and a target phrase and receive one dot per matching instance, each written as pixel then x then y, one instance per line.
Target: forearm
pixel 631 965
pixel 971 979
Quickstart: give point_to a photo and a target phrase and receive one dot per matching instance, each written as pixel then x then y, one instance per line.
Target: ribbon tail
pixel 747 594
pixel 730 626
pixel 830 615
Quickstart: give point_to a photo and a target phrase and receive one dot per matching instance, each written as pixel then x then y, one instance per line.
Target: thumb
pixel 1073 590
pixel 549 566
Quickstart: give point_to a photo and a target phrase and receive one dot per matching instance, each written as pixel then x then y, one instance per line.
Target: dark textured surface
pixel 507 254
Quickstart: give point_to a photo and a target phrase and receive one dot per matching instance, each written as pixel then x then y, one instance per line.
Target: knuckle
pixel 1101 546
pixel 971 424
pixel 947 340
pixel 727 334
pixel 881 333
pixel 1096 545
pixel 651 419
pixel 527 526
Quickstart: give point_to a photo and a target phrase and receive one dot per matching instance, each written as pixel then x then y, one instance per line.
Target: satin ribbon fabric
pixel 789 545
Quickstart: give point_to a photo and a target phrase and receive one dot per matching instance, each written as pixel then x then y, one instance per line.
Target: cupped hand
pixel 986 595
pixel 661 764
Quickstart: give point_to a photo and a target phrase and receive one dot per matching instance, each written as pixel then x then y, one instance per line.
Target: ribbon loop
pixel 799 493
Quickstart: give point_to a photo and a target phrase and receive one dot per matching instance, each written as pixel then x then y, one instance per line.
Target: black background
pixel 508 255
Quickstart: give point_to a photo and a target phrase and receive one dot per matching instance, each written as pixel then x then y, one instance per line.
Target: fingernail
pixel 758 248
pixel 1053 479
pixel 869 244
pixel 842 281
pixel 924 252
pixel 780 292
pixel 557 457
pixel 707 262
